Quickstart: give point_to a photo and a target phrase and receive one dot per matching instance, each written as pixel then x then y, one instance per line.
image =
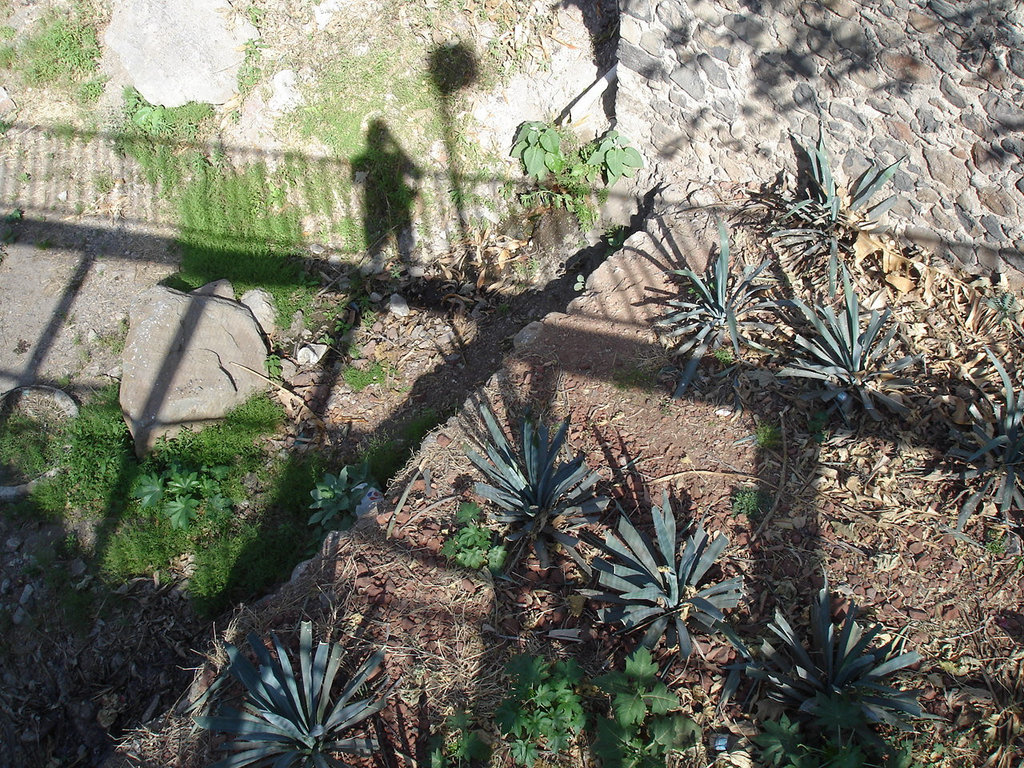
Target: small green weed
pixel 724 355
pixel 634 377
pixel 472 546
pixel 749 502
pixel 767 435
pixel 90 91
pixel 181 493
pixel 8 55
pixel 59 50
pixel 543 711
pixel 336 497
pixel 641 729
pixel 104 183
pixel 359 379
pixel 464 748
pixel 250 72
pixel 7 32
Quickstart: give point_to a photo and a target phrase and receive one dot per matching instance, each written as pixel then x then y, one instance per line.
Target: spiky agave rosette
pixel 1000 444
pixel 539 497
pixel 648 588
pixel 719 304
pixel 290 720
pixel 839 679
pixel 847 360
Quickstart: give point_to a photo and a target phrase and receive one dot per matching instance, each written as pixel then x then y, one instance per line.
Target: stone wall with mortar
pixel 713 90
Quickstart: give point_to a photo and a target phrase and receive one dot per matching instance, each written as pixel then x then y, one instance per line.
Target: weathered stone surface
pixel 187 50
pixel 7 104
pixel 724 103
pixel 262 306
pixel 187 361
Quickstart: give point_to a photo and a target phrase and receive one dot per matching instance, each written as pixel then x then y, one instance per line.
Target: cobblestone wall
pixel 713 91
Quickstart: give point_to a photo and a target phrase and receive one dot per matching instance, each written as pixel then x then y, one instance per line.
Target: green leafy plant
pixel 274 367
pixel 767 435
pixel 540 497
pixel 749 501
pixel 828 221
pixel 847 360
pixel 292 717
pixel 649 588
pixel 543 710
pixel 180 493
pixel 999 443
pixel 7 225
pixel 338 496
pixel 643 726
pixel 465 748
pixel 539 147
pixel 784 743
pixel 839 682
pixel 715 307
pixel 472 545
pixel 611 157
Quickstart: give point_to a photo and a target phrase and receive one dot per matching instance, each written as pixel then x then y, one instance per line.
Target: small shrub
pixel 336 497
pixel 643 726
pixel 540 497
pixel 291 716
pixel 543 711
pixel 749 502
pixel 767 435
pixel 465 748
pixel 472 545
pixel 359 379
pixel 181 493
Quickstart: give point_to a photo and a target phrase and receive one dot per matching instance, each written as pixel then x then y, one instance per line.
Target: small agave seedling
pixel 848 360
pixel 649 588
pixel 719 305
pixel 540 497
pixel 829 221
pixel 293 720
pixel 1001 445
pixel 838 681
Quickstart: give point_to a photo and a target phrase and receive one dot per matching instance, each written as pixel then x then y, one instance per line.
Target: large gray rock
pixel 181 51
pixel 188 360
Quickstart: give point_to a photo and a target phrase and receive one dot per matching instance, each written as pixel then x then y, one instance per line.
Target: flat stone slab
pixel 186 50
pixel 188 360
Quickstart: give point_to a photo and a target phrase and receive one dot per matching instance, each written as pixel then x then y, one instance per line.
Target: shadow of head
pixel 452 66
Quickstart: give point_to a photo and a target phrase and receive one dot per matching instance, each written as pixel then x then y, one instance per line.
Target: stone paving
pixel 715 90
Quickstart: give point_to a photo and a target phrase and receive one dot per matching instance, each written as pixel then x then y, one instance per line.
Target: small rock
pixel 375 297
pixel 398 305
pixel 311 354
pixel 222 288
pixel 19 616
pixel 286 95
pixel 77 567
pixel 7 104
pixel 416 271
pixel 527 335
pixel 12 543
pixel 261 304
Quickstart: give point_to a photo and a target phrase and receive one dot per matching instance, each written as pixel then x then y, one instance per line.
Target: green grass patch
pixel 251 71
pixel 238 225
pixel 28 447
pixel 359 379
pixel 8 55
pixel 234 555
pixel 60 50
pixel 99 464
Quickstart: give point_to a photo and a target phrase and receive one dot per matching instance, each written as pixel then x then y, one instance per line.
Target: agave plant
pixel 827 221
pixel 540 497
pixel 650 588
pixel 290 720
pixel 839 681
pixel 719 304
pixel 848 360
pixel 1001 445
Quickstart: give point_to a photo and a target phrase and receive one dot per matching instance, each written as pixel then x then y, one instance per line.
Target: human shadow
pixel 389 178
